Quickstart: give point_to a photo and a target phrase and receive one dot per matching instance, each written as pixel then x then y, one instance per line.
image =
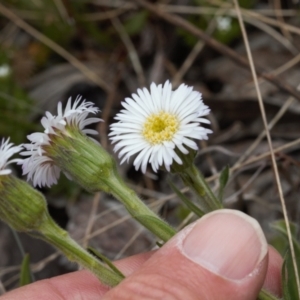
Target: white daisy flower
pixel 157 124
pixel 6 151
pixel 39 166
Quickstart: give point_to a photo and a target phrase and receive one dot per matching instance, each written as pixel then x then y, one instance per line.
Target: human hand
pixel 224 255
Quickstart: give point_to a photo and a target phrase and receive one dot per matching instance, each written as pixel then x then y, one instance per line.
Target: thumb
pixel 224 255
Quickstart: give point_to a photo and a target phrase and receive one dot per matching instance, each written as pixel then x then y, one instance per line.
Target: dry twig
pixel 275 168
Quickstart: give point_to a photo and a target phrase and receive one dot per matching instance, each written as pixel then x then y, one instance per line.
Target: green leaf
pixel 266 295
pixel 25 275
pixel 290 288
pixel 280 227
pixel 106 260
pixel 284 280
pixel 195 209
pixel 136 23
pixel 223 181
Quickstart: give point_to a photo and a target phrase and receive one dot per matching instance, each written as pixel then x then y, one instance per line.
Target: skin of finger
pixel 84 285
pixel 170 275
pixel 77 285
pixel 273 279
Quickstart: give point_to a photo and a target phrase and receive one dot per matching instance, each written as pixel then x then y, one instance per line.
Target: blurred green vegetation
pixel 15 105
pixel 136 22
pixel 226 30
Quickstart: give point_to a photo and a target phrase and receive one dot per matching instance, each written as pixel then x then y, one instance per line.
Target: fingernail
pixel 226 242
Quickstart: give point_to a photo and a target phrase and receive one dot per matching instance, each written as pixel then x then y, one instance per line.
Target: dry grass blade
pixel 275 168
pixel 101 16
pixel 258 158
pixel 109 226
pixel 184 9
pixel 270 21
pixel 245 186
pixel 131 50
pixel 255 21
pixel 192 56
pixel 178 21
pixel 62 10
pixel 102 127
pixel 277 117
pixel 254 14
pixel 273 33
pixel 187 63
pixel 36 267
pixel 91 220
pixel 129 243
pixel 55 47
pixel 2 288
pixel 278 8
pixel 283 68
pixel 186 221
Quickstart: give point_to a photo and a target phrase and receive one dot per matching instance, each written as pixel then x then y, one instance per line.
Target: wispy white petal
pixel 39 166
pixel 7 150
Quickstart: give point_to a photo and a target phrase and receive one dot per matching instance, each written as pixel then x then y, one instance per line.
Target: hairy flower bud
pixel 21 206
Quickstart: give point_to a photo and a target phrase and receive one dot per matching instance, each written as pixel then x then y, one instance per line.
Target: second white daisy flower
pixel 157 124
pixel 43 165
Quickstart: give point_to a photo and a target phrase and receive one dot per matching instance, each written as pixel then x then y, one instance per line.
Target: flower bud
pixel 64 146
pixel 82 159
pixel 21 206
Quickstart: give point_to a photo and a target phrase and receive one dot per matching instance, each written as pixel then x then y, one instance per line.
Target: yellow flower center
pixel 160 127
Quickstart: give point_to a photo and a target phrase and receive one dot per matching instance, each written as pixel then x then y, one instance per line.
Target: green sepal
pixel 195 209
pixel 187 161
pixel 83 159
pixel 104 259
pixel 25 274
pixel 156 226
pixel 224 176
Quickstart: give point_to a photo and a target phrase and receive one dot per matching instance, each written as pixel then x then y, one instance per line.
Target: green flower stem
pixel 95 170
pixel 196 181
pixel 265 295
pixel 138 210
pixel 59 238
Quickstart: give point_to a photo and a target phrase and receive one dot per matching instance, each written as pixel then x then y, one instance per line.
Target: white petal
pixel 5 172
